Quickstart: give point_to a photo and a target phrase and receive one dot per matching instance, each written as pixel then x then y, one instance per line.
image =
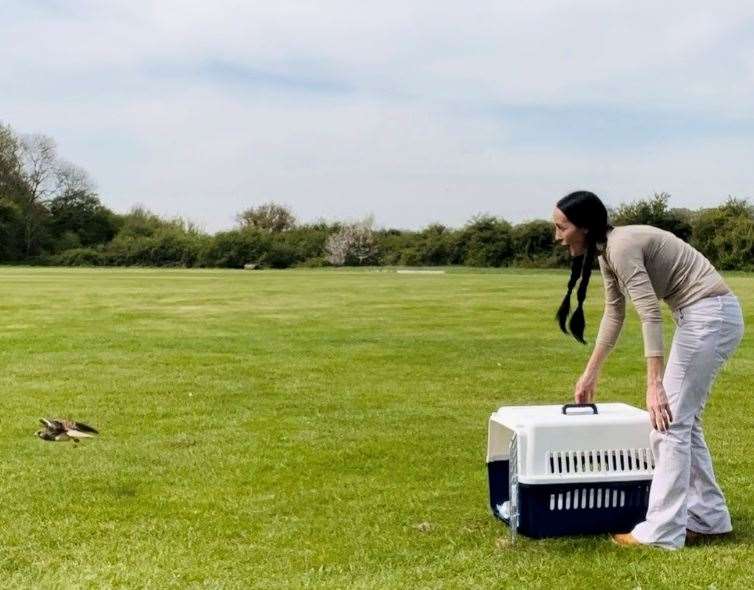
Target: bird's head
pixel 45 435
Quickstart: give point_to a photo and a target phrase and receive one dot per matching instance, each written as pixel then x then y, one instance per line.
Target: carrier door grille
pixel 600 461
pixel 594 496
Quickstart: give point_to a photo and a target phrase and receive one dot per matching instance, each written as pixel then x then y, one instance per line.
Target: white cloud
pixel 409 121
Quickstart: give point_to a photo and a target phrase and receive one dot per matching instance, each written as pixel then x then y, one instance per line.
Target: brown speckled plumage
pixel 59 430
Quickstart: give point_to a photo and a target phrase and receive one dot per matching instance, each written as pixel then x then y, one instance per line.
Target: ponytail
pixel 577 322
pixel 585 210
pixel 565 306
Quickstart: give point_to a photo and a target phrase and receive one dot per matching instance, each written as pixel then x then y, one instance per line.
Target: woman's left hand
pixel 658 407
pixel 586 389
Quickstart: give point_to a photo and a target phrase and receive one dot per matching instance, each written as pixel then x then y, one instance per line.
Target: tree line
pixel 50 214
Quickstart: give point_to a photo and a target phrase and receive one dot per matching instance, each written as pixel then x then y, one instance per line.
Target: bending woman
pixel 646 264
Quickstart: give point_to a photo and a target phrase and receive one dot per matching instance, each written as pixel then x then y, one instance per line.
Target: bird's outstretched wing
pixel 77 433
pixel 52 424
pixel 81 427
pixel 59 429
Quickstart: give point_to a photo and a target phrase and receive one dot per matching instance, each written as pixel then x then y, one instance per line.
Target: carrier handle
pixel 566 406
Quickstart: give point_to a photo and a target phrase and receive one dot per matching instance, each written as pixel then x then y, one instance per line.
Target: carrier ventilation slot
pixel 595 497
pixel 601 461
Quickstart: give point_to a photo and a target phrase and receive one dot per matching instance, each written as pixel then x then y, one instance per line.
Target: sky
pixel 415 112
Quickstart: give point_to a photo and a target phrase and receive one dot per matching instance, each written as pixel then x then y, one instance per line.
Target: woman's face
pixel 567 234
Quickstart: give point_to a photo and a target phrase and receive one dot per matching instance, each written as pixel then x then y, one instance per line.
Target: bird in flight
pixel 58 430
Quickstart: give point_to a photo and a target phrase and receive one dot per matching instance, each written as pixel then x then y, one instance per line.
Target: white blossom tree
pixel 353 244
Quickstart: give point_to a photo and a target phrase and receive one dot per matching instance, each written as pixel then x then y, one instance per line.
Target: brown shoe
pixel 624 539
pixel 695 537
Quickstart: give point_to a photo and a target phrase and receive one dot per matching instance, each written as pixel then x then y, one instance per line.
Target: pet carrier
pixel 572 469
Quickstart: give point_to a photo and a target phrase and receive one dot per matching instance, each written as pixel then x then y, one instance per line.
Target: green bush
pixel 81 214
pixel 11 231
pixel 736 245
pixel 437 246
pixel 167 246
pixel 410 257
pixel 304 242
pixel 314 262
pixel 139 222
pixel 69 240
pixel 78 257
pixel 392 242
pixel 486 241
pixel 233 249
pixel 654 211
pixel 725 235
pixel 279 255
pixel 534 245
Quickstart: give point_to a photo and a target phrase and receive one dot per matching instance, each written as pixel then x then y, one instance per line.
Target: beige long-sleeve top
pixel 647 264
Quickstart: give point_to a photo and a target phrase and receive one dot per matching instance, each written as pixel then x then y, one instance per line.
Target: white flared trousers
pixel 684 493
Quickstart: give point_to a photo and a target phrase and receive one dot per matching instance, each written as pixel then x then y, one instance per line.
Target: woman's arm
pixel 629 265
pixel 657 400
pixel 610 328
pixel 586 387
pixel 615 307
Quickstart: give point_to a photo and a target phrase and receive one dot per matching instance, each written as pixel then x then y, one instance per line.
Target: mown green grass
pixel 311 429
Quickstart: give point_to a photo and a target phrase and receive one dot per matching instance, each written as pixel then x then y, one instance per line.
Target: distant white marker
pixel 421 272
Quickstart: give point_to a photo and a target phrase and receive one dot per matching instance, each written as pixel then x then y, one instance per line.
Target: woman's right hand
pixel 586 389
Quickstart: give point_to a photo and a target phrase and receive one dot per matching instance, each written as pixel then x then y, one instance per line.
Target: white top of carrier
pixel 560 444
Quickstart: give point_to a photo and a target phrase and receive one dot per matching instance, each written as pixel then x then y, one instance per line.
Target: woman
pixel 647 264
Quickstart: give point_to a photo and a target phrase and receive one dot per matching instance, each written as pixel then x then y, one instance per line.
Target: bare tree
pixel 39 167
pixel 269 217
pixel 71 179
pixel 10 162
pixel 354 243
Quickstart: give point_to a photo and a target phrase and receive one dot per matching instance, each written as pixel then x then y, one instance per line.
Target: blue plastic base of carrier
pixel 542 515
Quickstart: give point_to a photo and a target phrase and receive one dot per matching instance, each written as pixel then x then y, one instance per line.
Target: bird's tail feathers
pixel 78 434
pixel 81 427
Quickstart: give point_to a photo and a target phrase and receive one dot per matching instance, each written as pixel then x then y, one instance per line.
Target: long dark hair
pixel 584 210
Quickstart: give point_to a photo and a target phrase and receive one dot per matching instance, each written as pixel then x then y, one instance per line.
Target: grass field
pixel 312 429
